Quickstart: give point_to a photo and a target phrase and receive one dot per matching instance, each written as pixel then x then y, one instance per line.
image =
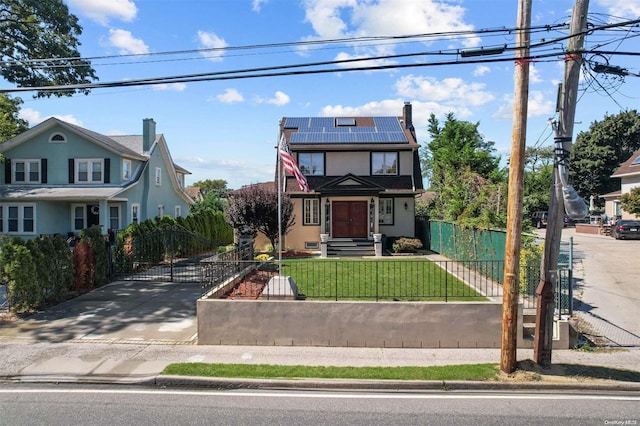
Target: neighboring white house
pixel 60 178
pixel 629 174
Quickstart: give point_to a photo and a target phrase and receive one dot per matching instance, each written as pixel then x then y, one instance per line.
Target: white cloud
pixel 34 117
pixel 481 70
pixel 534 75
pixel 342 18
pixel 537 106
pixel 230 96
pixel 127 44
pixel 360 63
pixel 212 41
pixel 279 99
pixel 101 11
pixel 176 87
pixel 451 91
pixel 621 7
pixel 257 5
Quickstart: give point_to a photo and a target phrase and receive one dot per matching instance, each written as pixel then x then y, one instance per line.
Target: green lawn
pixel 449 372
pixel 374 279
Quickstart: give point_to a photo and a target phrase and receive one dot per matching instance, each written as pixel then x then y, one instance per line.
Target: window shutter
pixel 107 170
pixel 43 166
pixel 7 171
pixel 71 171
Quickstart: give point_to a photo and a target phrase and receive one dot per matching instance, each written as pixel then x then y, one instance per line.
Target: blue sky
pixel 228 129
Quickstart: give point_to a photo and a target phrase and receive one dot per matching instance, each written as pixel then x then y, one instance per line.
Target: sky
pixel 228 129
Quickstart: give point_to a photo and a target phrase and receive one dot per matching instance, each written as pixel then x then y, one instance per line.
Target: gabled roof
pixel 106 142
pixel 630 167
pixel 352 184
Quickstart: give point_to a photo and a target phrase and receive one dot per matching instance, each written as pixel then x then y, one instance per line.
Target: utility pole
pixel 560 194
pixel 516 191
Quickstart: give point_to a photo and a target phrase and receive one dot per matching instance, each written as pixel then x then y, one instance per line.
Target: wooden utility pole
pixel 563 135
pixel 516 191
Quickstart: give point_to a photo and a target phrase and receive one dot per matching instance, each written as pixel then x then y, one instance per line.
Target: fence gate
pixel 161 256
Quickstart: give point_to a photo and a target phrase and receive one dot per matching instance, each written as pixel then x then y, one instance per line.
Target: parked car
pixel 539 219
pixel 626 229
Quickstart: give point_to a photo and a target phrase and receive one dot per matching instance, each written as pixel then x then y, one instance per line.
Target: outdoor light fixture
pixel 406 206
pixel 483 51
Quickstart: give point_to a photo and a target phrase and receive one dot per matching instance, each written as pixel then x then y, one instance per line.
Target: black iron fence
pixel 383 280
pixel 215 270
pixel 167 255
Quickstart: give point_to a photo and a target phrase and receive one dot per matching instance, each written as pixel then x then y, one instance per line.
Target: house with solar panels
pixel 60 178
pixel 629 175
pixel 363 175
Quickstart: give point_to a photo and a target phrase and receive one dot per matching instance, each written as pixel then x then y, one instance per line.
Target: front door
pixel 349 219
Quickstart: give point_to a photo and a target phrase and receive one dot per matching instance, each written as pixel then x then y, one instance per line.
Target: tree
pixel 10 124
pixel 39 46
pixel 538 177
pixel 630 202
pixel 254 209
pixel 216 186
pixel 600 150
pixel 466 176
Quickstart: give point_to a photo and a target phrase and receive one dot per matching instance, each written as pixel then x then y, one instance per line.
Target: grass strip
pixel 447 372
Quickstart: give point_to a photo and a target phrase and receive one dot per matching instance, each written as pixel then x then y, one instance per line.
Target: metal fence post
pixel 570 277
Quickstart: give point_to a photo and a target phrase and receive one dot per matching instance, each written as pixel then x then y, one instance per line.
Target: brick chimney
pixel 407 116
pixel 148 134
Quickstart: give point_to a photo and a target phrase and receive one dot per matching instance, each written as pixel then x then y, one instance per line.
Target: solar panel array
pixel 324 130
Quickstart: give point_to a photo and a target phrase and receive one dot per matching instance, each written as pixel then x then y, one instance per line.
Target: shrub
pixel 406 245
pixel 83 266
pixel 19 272
pixel 262 257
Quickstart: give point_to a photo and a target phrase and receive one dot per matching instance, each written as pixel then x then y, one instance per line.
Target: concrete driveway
pixel 607 287
pixel 120 312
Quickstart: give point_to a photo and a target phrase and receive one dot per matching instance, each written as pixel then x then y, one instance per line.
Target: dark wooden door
pixel 349 219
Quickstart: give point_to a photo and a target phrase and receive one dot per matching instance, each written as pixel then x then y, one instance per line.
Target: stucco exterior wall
pixel 356 324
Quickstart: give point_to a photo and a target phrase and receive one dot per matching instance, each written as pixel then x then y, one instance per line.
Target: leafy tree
pixel 211 202
pixel 630 201
pixel 600 150
pixel 215 186
pixel 466 176
pixel 45 30
pixel 538 177
pixel 254 209
pixel 10 124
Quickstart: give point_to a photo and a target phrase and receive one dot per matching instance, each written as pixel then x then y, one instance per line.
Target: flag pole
pixel 278 147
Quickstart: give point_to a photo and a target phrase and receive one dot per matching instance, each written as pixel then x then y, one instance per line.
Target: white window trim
pixel 135 207
pixel 160 211
pixel 382 215
pixel 178 211
pixel 126 162
pixel 73 216
pixel 311 208
pixel 158 176
pixel 90 162
pixel 53 135
pixel 384 154
pixel 21 207
pixel 26 162
pixel 109 207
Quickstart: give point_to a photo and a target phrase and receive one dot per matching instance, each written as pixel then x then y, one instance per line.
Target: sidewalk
pixel 143 363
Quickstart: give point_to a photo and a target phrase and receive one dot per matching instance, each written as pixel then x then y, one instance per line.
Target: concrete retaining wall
pixel 356 324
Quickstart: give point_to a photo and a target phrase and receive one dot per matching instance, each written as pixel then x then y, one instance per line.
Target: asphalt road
pixel 26 405
pixel 607 287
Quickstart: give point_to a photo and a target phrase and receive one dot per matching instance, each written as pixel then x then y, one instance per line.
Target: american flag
pixel 290 165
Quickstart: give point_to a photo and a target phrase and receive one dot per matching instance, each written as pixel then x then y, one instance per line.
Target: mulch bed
pixel 251 287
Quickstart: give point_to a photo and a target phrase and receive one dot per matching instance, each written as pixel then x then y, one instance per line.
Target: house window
pixel 114 217
pixel 158 176
pixel 384 163
pixel 178 211
pixel 385 211
pixel 617 208
pixel 160 210
pixel 135 211
pixel 20 218
pixel 126 170
pixel 311 213
pixel 57 138
pixel 79 216
pixel 89 171
pixel 311 163
pixel 26 171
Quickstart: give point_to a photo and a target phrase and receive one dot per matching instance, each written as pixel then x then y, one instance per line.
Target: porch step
pixel 350 247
